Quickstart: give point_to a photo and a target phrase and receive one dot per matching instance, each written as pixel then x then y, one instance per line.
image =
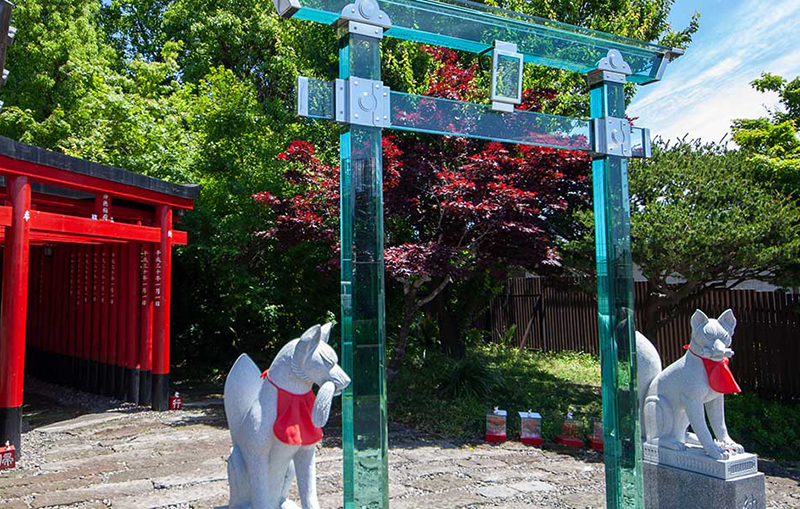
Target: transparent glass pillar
pixel 365 430
pixel 623 443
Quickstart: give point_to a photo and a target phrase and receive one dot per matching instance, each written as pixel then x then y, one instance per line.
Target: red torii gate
pixel 87 248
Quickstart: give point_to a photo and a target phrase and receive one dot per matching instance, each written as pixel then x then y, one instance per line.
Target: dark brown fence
pixel 553 317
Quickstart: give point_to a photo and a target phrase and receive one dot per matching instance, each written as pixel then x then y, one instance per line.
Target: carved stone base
pixel 694 459
pixel 667 487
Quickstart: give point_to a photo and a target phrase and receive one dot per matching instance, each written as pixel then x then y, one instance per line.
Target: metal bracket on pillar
pixel 611 68
pixel 364 12
pixel 362 102
pixel 612 136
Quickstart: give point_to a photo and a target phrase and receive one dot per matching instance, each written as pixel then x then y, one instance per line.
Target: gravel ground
pixel 82 450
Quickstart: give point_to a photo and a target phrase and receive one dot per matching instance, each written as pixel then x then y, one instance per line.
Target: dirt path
pixel 86 451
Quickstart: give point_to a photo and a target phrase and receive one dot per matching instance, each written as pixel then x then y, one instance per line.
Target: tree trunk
pixel 449 330
pixel 409 312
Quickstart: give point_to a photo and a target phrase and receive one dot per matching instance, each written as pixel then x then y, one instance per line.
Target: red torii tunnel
pixel 86 280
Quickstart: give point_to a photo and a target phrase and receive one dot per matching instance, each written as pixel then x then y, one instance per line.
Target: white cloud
pixel 709 86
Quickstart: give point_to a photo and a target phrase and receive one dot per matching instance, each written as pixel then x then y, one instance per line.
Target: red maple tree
pixel 455 208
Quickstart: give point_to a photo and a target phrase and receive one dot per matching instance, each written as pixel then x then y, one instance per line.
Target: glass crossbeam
pixel 473 27
pixel 420 113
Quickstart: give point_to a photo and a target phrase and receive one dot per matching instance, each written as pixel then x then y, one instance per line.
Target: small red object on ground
pixel 530 431
pixel 596 440
pixel 596 445
pixel 496 425
pixel 175 402
pixel 8 457
pixel 570 436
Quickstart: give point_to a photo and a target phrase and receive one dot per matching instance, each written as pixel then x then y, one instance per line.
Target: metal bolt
pixel 377 86
pixel 377 119
pixel 355 83
pixel 355 115
pixel 376 30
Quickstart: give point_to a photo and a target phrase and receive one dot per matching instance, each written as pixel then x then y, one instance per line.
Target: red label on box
pixel 8 457
pixel 175 402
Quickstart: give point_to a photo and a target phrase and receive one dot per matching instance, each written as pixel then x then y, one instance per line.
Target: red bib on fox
pixel 719 374
pixel 293 425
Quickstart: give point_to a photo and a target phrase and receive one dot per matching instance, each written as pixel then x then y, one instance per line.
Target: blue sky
pixel 709 86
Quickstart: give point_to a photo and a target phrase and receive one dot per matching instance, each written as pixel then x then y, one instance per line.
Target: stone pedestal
pixel 667 487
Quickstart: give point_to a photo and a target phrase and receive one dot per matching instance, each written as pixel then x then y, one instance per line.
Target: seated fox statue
pixel 682 394
pixel 275 421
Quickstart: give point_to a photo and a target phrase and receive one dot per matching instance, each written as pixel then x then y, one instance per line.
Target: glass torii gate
pixel 363 106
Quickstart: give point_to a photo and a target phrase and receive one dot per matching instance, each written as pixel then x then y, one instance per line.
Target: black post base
pixel 145 388
pixel 82 378
pixel 109 388
pixel 11 427
pixel 160 392
pixel 121 384
pixel 64 369
pixel 94 383
pixel 102 369
pixel 132 394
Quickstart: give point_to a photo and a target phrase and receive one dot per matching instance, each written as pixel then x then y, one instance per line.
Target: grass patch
pixel 432 395
pixel 549 383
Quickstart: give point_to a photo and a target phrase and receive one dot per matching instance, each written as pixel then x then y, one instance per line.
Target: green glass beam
pixel 623 439
pixel 473 27
pixel 364 415
pixel 434 115
pixel 419 113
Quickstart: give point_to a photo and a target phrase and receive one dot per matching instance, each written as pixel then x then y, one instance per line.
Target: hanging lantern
pixel 175 402
pixel 8 457
pixel 496 425
pixel 570 435
pixel 530 428
pixel 596 439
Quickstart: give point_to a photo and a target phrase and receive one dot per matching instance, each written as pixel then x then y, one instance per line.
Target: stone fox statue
pixel 275 421
pixel 692 386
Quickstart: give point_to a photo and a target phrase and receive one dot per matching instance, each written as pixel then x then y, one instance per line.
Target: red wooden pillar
pixel 162 275
pixel 77 348
pixel 104 319
pixel 132 287
pixel 14 310
pixel 70 327
pixel 113 325
pixel 58 325
pixel 122 322
pixel 94 360
pixel 146 328
pixel 86 317
pixel 31 332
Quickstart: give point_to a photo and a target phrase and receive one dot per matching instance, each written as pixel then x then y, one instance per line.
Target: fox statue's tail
pixel 648 366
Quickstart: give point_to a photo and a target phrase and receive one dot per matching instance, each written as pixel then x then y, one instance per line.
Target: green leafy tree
pixel 202 91
pixel 773 142
pixel 699 222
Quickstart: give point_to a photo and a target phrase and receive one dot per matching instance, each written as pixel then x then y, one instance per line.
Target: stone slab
pixel 667 487
pixel 694 459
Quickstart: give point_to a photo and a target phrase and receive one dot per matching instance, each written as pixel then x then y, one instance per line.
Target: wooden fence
pixel 552 317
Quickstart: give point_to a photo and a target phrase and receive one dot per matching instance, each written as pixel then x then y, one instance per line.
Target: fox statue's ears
pixel 325 332
pixel 308 343
pixel 699 319
pixel 728 321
